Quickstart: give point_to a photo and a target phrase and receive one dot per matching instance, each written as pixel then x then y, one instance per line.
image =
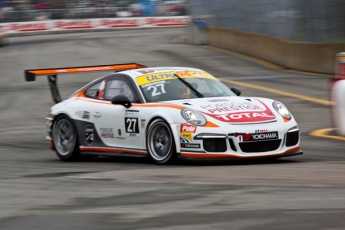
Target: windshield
pixel 166 86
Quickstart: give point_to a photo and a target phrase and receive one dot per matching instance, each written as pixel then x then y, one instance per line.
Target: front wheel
pixel 160 142
pixel 65 139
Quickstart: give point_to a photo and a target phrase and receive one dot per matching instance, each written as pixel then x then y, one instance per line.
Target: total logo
pixel 187 128
pixel 245 117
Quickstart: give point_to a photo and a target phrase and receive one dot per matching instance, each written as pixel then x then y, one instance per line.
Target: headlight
pixel 282 110
pixel 194 117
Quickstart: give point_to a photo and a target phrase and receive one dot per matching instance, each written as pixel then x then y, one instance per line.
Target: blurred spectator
pixel 42 5
pixel 6 10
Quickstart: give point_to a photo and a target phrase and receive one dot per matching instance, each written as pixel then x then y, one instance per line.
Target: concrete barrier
pixel 304 56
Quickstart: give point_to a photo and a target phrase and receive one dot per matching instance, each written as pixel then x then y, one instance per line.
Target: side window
pixel 118 87
pixel 93 90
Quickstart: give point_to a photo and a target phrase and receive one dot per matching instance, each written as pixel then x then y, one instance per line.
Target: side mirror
pixel 236 91
pixel 121 100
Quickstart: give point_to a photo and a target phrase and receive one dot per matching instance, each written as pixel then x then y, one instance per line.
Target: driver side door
pixel 116 125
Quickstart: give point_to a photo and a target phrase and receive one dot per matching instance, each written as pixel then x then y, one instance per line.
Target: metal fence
pixel 301 20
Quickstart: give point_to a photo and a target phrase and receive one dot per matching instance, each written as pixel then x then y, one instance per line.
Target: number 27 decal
pixel 131 125
pixel 156 89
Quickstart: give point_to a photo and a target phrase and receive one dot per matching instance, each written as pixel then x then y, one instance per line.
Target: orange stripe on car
pixel 134 104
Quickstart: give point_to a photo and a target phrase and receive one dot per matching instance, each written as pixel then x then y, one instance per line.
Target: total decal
pixel 238 112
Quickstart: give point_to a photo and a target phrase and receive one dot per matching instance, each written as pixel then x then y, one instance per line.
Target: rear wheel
pixel 160 142
pixel 65 139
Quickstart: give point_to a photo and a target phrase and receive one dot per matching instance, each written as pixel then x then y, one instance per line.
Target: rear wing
pixel 30 75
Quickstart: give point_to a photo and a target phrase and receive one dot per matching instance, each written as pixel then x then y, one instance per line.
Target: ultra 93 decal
pixel 131 125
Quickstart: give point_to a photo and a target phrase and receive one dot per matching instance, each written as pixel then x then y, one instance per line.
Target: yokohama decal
pixel 260 136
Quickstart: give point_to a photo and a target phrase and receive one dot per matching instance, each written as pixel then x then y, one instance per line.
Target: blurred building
pixel 303 20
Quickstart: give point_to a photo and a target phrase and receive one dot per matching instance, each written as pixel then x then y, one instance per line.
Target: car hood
pixel 233 109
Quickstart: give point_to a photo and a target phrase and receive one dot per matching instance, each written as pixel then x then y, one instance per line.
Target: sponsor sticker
pixel 133 134
pixel 190 145
pixel 231 106
pixel 259 136
pixel 86 115
pixel 146 71
pixel 186 128
pixel 164 76
pixel 185 137
pixel 89 134
pixel 106 132
pixel 261 131
pixel 143 123
pixel 217 100
pixel 238 112
pixel 131 113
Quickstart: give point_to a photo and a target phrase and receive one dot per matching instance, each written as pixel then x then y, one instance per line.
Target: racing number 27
pixel 132 125
pixel 156 89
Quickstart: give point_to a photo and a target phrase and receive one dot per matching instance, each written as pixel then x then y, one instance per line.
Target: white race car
pixel 165 113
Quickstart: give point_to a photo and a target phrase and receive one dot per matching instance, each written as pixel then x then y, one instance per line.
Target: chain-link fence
pixel 301 20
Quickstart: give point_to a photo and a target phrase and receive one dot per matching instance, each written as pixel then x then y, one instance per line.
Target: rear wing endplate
pixel 30 75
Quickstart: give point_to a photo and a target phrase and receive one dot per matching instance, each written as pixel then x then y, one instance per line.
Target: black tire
pixel 160 142
pixel 65 139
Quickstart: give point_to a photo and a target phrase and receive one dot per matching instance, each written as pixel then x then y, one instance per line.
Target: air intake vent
pixel 292 138
pixel 214 144
pixel 260 146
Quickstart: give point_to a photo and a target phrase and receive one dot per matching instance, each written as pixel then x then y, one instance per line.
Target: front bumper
pixel 277 140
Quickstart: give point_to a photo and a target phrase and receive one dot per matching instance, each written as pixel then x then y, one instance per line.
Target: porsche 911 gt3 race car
pixel 165 113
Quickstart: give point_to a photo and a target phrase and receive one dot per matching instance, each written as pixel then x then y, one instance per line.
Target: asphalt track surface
pixel 37 191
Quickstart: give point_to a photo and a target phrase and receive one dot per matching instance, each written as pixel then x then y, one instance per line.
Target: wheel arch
pixel 55 118
pixel 173 127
